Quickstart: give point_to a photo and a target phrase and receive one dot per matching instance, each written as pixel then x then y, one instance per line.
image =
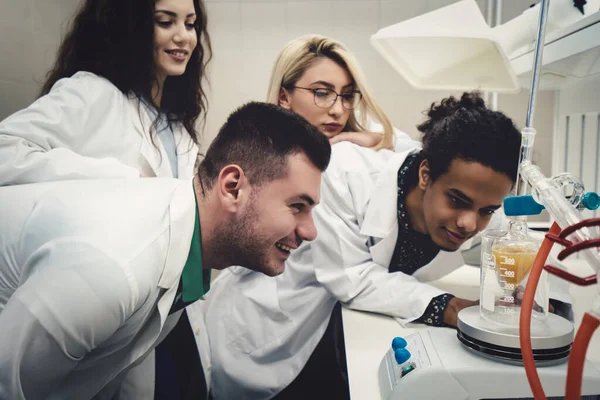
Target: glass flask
pixel 506 260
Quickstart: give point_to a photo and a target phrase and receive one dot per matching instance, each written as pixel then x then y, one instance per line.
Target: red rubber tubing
pixel 525 317
pixel 577 357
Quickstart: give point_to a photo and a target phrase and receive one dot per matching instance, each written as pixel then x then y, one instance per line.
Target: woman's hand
pixel 363 139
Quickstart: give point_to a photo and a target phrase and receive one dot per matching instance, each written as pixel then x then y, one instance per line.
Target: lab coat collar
pixel 381 215
pixel 187 152
pixel 153 151
pixel 181 214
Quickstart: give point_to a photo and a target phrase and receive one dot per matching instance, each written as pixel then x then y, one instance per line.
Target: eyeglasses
pixel 326 98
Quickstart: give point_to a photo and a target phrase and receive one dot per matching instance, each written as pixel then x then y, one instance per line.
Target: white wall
pixel 247 35
pixel 580 103
pixel 30 31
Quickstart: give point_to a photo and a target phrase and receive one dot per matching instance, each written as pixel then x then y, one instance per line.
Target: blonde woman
pixel 321 80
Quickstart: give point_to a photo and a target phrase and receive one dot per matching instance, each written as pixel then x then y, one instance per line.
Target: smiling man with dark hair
pixel 95 273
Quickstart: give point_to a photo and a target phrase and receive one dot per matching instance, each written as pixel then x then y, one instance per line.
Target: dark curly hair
pixel 468 130
pixel 115 39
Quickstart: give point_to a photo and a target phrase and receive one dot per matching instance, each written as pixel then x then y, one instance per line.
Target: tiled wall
pixel 30 31
pixel 247 36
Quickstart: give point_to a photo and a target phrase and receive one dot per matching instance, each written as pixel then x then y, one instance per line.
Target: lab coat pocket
pixel 254 317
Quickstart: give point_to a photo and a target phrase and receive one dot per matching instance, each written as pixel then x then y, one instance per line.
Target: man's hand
pixel 363 139
pixel 454 306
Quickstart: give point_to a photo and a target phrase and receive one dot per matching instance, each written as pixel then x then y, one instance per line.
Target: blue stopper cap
pixel 521 205
pixel 401 355
pixel 398 343
pixel 591 201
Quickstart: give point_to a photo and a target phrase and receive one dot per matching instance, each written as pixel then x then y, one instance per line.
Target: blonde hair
pixel 301 53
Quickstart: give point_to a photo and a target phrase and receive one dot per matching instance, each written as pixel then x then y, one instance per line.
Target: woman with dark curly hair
pixel 122 100
pixel 388 223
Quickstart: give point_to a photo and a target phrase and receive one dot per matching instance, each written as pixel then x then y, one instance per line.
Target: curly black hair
pixel 115 39
pixel 466 129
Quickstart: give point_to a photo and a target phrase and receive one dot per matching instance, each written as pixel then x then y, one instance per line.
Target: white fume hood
pixel 453 48
pixel 570 53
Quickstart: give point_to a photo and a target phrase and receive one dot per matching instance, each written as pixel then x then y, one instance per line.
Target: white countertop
pixel 368 336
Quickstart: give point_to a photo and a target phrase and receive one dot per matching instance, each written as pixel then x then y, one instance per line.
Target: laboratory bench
pixel 368 336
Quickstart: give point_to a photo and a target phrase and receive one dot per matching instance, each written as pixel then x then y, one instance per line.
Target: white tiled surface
pixel 261 24
pixel 14 95
pixel 393 11
pixel 305 17
pixel 224 24
pixel 246 36
pixel 30 31
pixel 256 30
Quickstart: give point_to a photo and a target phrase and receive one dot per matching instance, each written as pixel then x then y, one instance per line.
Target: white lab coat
pixel 261 331
pixel 86 128
pixel 88 274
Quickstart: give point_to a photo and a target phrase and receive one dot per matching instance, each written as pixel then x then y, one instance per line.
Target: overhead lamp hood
pixel 453 48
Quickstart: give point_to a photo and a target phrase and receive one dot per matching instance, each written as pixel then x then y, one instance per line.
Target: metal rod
pixel 597 169
pixel 489 12
pixel 582 146
pixel 497 22
pixel 493 18
pixel 597 183
pixel 537 61
pixel 498 12
pixel 567 131
pixel 521 188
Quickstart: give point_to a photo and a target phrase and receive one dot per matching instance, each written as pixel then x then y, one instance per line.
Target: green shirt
pixel 195 282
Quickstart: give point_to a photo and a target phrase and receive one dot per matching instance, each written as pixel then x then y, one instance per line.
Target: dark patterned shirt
pixel 414 249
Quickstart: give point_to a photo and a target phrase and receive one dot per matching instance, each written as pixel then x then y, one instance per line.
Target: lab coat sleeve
pixel 43 142
pixel 344 265
pixel 74 297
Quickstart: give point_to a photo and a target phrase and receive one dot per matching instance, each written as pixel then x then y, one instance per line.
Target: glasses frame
pixel 314 90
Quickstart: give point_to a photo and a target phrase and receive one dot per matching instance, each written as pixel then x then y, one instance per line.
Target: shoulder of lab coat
pixel 357 225
pixel 85 128
pixel 403 142
pixel 85 265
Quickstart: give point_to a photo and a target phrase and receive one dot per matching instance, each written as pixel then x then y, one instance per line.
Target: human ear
pixel 284 99
pixel 232 186
pixel 424 175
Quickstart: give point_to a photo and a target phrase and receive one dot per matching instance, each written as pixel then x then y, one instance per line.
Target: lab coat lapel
pixel 381 220
pixel 182 216
pixel 187 152
pixel 151 151
pixel 383 250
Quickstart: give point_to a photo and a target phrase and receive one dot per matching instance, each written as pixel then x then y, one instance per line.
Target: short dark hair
pixel 467 130
pixel 258 137
pixel 115 39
